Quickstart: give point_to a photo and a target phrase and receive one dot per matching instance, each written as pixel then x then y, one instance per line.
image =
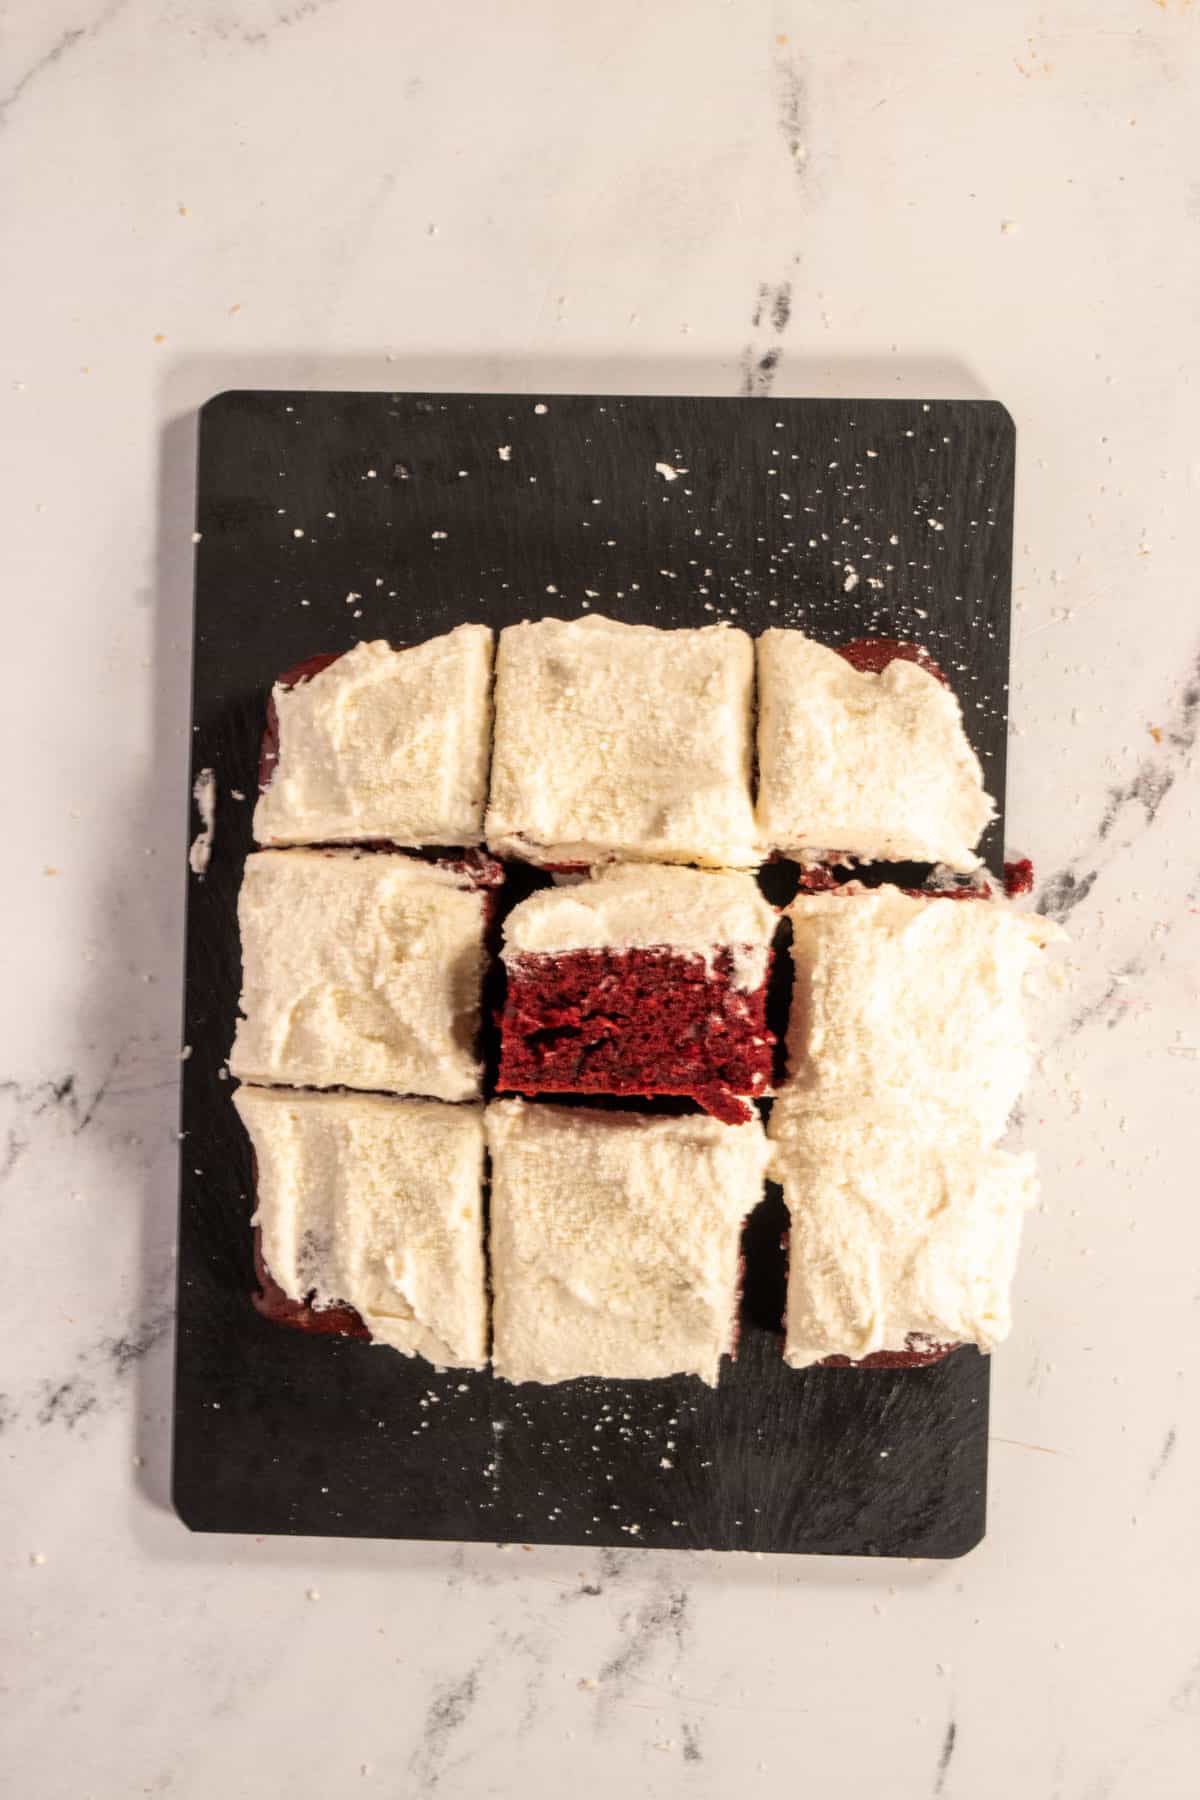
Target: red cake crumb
pixel 635 1022
pixel 1018 877
pixel 871 656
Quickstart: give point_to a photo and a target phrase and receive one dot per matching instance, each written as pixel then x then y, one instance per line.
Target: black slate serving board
pixel 324 518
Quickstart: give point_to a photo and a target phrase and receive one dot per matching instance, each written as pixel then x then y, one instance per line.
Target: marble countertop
pixel 720 198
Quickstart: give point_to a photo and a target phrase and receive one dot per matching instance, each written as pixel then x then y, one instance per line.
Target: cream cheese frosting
pixel 376 1204
pixel 615 1240
pixel 876 766
pixel 907 1048
pixel 650 906
pixel 623 741
pixel 908 1003
pixel 894 1234
pixel 384 743
pixel 360 971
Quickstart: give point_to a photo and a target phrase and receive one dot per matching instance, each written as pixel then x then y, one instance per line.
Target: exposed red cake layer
pixel 817 878
pixel 913 1358
pixel 482 870
pixel 274 1304
pixel 949 893
pixel 872 655
pixel 635 1022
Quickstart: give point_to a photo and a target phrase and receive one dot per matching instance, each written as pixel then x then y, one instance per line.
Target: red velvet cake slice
pixel 907 1047
pixel 862 752
pixel 641 981
pixel 901 1246
pixel 362 969
pixel 623 743
pixel 615 1241
pixel 369 1219
pixel 380 743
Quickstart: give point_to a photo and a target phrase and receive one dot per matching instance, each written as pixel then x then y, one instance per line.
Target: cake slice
pixel 911 1004
pixel 361 970
pixel 863 756
pixel 615 1240
pixel 901 1245
pixel 645 980
pixel 381 744
pixel 370 1212
pixel 622 742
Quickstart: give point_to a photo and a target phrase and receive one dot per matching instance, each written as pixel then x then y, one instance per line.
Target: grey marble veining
pixel 721 199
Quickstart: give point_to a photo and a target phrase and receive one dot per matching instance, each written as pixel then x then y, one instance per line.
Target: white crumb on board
pixel 504 452
pixel 204 793
pixel 668 471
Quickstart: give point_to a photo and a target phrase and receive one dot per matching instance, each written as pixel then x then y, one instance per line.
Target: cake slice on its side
pixel 911 1004
pixel 361 970
pixel 642 981
pixel 623 741
pixel 900 1248
pixel 615 1241
pixel 381 744
pixel 370 1218
pixel 864 755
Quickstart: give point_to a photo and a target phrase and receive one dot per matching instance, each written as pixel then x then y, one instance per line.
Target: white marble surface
pixel 955 199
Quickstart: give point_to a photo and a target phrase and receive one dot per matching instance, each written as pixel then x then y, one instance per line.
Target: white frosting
pixel 377 1204
pixel 893 1233
pixel 875 766
pixel 385 744
pixel 615 1240
pixel 360 971
pixel 911 1004
pixel 623 741
pixel 907 1048
pixel 645 907
pixel 204 793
